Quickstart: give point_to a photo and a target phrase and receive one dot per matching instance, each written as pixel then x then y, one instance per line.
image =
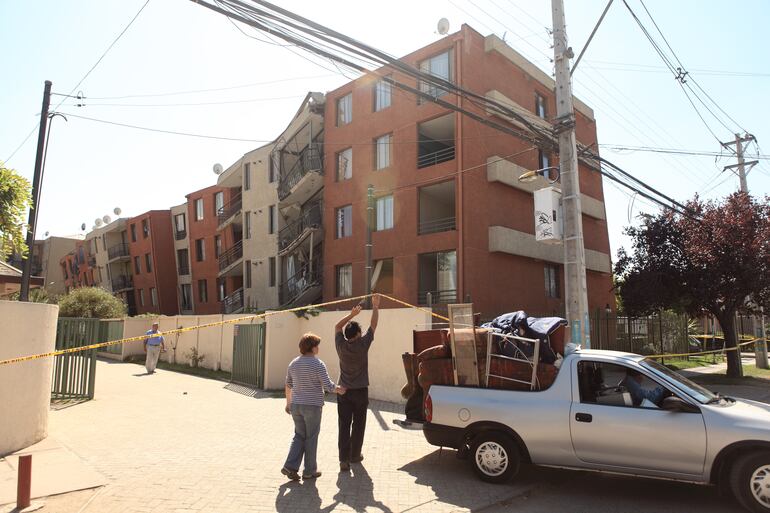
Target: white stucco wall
pixel 25 388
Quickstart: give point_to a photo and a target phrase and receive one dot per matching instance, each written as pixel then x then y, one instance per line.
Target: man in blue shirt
pixel 642 388
pixel 153 345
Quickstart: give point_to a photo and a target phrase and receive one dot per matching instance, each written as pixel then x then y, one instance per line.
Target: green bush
pixel 91 302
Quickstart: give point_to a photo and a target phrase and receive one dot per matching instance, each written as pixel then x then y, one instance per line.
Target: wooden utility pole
pixel 576 295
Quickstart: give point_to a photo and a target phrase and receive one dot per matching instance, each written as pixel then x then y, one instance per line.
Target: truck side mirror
pixel 673 403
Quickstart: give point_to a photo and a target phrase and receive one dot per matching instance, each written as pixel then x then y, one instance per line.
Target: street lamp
pixel 531 176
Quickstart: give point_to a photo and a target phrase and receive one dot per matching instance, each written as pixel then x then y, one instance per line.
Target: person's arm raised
pixel 375 312
pixel 342 322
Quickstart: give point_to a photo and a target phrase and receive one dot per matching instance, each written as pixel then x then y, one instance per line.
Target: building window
pixel 247 225
pixel 203 292
pixel 383 213
pixel 186 296
pixel 179 223
pixel 272 169
pixel 439 66
pixel 540 106
pixel 247 176
pixel 382 152
pixel 382 95
pixel 544 162
pixel 344 281
pixel 271 270
pixel 248 274
pixel 345 165
pixel 199 209
pixel 145 228
pixel 200 250
pixel 272 220
pixel 154 296
pixel 104 242
pixel 221 292
pixel 438 277
pixel 551 281
pixel 345 109
pixel 141 297
pixel 344 216
pixel 217 246
pixel 219 202
pixel 182 261
pixel 148 262
pixel 137 265
pixel 382 276
pixel 133 232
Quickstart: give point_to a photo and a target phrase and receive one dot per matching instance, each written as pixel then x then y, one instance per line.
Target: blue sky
pixel 176 46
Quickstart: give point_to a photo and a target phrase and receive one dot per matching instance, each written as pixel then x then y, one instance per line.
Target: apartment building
pixel 452 221
pixel 182 259
pixel 151 250
pixel 46 256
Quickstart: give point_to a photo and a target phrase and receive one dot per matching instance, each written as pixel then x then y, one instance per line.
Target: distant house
pixel 10 280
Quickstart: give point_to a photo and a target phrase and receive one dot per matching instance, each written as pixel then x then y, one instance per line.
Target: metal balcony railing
pixel 91 260
pixel 434 297
pixel 436 157
pixel 309 218
pixel 184 269
pixel 118 250
pixel 229 209
pixel 233 302
pixel 310 159
pixel 231 256
pixel 122 282
pixel 436 225
pixel 180 234
pixel 308 275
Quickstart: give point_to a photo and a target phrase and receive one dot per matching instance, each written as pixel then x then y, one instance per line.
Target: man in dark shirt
pixel 353 351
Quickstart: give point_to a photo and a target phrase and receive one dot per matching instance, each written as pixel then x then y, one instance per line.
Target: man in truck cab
pixel 642 389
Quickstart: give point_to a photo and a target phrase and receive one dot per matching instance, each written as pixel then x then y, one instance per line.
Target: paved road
pixel 176 443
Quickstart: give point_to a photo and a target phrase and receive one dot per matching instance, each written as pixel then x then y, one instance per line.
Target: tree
pixel 91 302
pixel 715 259
pixel 14 200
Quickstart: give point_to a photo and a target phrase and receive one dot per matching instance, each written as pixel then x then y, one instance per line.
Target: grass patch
pixel 186 369
pixel 752 376
pixel 694 361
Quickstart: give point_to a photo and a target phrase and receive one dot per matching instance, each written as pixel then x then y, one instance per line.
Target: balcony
pixel 436 141
pixel 229 210
pixel 122 282
pixel 436 225
pixel 118 251
pixel 183 269
pixel 309 223
pixel 436 297
pixel 180 234
pixel 304 286
pixel 91 261
pixel 436 157
pixel 436 208
pixel 229 260
pixel 305 176
pixel 233 303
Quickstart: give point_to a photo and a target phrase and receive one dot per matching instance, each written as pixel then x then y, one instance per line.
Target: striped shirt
pixel 307 378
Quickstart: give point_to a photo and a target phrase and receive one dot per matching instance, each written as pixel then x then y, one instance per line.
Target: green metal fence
pixel 111 329
pixel 74 374
pixel 249 355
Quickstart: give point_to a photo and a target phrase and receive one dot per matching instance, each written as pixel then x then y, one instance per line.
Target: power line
pixel 674 151
pixel 194 104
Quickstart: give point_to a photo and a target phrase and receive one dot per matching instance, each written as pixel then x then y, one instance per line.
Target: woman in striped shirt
pixel 306 381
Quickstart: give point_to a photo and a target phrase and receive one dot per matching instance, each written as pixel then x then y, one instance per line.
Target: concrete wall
pixel 386 372
pixel 25 388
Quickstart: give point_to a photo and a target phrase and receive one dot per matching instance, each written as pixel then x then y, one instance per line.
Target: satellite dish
pixel 218 169
pixel 97 222
pixel 83 226
pixel 46 234
pixel 117 211
pixel 443 26
pixel 106 219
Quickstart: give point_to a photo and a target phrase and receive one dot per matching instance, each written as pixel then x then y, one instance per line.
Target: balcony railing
pixel 309 218
pixel 436 225
pixel 231 256
pixel 435 297
pixel 184 269
pixel 122 282
pixel 308 276
pixel 233 303
pixel 310 159
pixel 436 157
pixel 180 234
pixel 91 260
pixel 118 250
pixel 229 209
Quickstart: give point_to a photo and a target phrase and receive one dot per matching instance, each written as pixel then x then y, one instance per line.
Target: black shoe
pixel 311 476
pixel 291 474
pixel 357 459
pixel 344 466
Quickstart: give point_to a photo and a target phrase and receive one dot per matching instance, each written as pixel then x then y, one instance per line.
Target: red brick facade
pixel 150 239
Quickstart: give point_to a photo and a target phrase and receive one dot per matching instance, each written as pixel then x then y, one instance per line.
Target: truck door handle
pixel 584 417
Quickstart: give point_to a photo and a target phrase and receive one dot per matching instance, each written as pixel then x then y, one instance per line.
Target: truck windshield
pixel 694 390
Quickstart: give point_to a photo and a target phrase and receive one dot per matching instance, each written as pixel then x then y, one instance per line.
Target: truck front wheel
pixel 495 457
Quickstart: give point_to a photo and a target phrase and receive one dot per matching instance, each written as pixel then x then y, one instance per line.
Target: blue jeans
pixel 307 425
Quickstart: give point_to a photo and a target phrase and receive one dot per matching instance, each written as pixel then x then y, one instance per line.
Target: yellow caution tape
pixel 715 351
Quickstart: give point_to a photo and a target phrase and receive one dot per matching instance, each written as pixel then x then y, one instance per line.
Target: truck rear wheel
pixel 750 481
pixel 495 457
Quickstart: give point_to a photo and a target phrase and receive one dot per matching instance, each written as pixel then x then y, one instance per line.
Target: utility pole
pixel 369 223
pixel 576 295
pixel 37 180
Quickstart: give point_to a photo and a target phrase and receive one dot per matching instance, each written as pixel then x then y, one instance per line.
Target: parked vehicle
pixel 609 411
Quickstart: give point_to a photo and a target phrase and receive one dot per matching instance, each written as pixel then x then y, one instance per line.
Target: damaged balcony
pixel 308 227
pixel 233 303
pixel 305 176
pixel 230 261
pixel 303 287
pixel 229 212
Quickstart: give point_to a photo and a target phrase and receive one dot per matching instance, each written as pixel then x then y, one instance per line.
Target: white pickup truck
pixel 615 412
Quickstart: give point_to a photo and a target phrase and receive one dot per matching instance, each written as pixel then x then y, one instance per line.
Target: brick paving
pixel 177 443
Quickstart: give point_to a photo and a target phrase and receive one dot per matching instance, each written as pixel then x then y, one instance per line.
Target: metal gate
pixel 249 355
pixel 111 329
pixel 74 374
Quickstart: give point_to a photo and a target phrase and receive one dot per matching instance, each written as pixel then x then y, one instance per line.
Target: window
pixel 145 228
pixel 540 106
pixel 182 260
pixel 203 293
pixel 186 296
pixel 221 292
pixel 200 250
pixel 248 274
pixel 344 275
pixel 618 385
pixel 345 165
pixel 154 296
pixel 543 162
pixel 199 209
pixel 104 242
pixel 217 246
pixel 247 225
pixel 219 202
pixel 382 276
pixel 179 224
pixel 148 262
pixel 272 220
pixel 551 281
pixel 381 95
pixel 271 270
pixel 137 265
pixel 345 109
pixel 439 66
pixel 247 176
pixel 382 152
pixel 133 232
pixel 438 276
pixel 383 213
pixel 344 216
pixel 272 168
pixel 141 297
